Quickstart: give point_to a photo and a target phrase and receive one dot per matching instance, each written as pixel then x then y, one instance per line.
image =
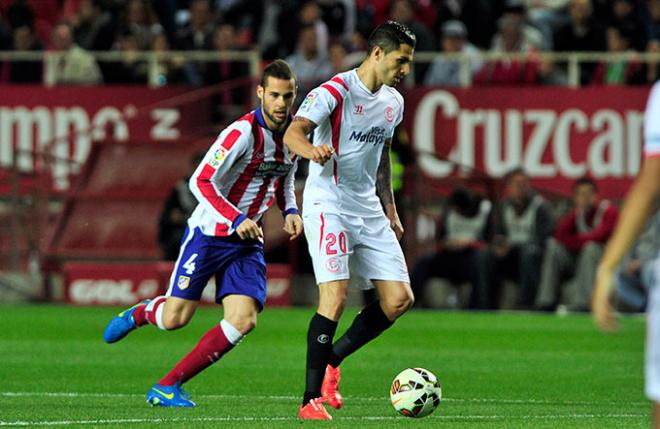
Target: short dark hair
pixel 585 181
pixel 279 69
pixel 390 35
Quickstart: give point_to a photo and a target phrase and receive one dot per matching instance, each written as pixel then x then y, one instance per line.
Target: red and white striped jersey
pixel 246 169
pixel 652 123
pixel 356 122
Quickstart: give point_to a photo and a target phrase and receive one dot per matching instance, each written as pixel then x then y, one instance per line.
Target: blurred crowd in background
pixel 318 36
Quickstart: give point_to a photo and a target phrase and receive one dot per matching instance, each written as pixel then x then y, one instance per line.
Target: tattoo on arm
pixel 306 126
pixel 384 177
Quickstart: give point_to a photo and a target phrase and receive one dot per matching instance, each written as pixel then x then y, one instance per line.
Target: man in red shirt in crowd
pixel 576 248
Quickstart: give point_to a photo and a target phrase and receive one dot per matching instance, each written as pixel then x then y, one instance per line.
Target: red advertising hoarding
pixel 87 283
pixel 64 121
pixel 555 134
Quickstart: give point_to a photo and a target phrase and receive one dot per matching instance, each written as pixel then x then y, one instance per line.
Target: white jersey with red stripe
pixel 356 122
pixel 652 123
pixel 246 169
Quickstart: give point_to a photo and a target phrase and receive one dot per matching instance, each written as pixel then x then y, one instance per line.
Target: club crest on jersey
pixel 389 113
pixel 308 102
pixel 218 156
pixel 183 282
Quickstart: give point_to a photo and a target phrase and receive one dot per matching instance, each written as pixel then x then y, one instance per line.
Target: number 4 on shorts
pixel 190 264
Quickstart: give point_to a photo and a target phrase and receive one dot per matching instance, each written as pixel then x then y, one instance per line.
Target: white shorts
pixel 652 361
pixel 366 248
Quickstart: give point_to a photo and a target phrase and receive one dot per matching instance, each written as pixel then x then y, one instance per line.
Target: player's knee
pixel 174 321
pixel 395 306
pixel 244 324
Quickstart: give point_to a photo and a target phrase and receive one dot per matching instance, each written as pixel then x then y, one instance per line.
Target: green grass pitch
pixel 497 370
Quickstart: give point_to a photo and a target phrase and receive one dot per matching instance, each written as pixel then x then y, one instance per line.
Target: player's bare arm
pixel 635 212
pixel 384 189
pixel 296 140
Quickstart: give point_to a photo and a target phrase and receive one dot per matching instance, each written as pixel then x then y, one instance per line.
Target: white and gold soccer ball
pixel 415 392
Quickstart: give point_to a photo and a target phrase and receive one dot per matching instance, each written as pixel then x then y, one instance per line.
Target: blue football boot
pixel 121 324
pixel 169 396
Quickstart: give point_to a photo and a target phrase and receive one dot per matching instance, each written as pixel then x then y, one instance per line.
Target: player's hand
pixel 395 224
pixel 602 310
pixel 293 226
pixel 321 154
pixel 248 230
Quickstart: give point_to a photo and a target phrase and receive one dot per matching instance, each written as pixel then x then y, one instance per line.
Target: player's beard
pixel 274 119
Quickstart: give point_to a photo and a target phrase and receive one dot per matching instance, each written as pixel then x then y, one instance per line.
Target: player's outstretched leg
pixel 142 313
pixel 210 348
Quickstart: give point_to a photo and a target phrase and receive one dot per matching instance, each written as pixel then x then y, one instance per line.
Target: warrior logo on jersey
pixel 308 102
pixel 183 282
pixel 389 113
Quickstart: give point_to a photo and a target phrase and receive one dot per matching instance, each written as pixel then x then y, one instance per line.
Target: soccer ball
pixel 415 392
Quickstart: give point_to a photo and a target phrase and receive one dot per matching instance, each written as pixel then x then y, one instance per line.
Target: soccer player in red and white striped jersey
pixel 245 171
pixel 640 203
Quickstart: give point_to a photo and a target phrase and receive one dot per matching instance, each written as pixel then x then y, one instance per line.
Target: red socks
pixel 210 348
pixel 146 313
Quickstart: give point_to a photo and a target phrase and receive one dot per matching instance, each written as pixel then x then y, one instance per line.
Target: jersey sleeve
pixel 230 145
pixel 286 192
pixel 318 105
pixel 652 124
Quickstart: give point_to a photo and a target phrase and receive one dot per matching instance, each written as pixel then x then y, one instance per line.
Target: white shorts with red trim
pixel 350 247
pixel 652 361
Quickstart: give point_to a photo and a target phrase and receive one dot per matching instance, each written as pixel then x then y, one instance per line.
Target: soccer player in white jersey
pixel 348 206
pixel 638 207
pixel 244 171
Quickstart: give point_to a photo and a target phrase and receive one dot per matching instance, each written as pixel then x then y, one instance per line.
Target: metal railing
pixel 573 60
pixel 50 60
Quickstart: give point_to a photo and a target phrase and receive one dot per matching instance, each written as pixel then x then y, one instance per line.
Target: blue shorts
pixel 238 265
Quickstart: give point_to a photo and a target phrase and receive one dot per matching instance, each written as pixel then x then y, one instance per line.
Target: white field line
pixel 21 423
pixel 348 398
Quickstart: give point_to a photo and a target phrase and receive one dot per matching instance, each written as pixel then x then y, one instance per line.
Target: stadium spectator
pixel 310 15
pixel 625 16
pixel 40 15
pixel 72 64
pixel 225 70
pixel 546 15
pixel 139 19
pixel 651 18
pixel 509 39
pixel 248 17
pixel 446 72
pixel 582 33
pixel 131 69
pixel 575 249
pixel 403 11
pixel 337 58
pixel 619 71
pixel 178 207
pixel 170 70
pixel 651 70
pixel 197 34
pixel 25 71
pixel 310 67
pixel 339 16
pixel 461 243
pixel 94 28
pixel 633 278
pixel 522 225
pixel 480 26
pixel 531 36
